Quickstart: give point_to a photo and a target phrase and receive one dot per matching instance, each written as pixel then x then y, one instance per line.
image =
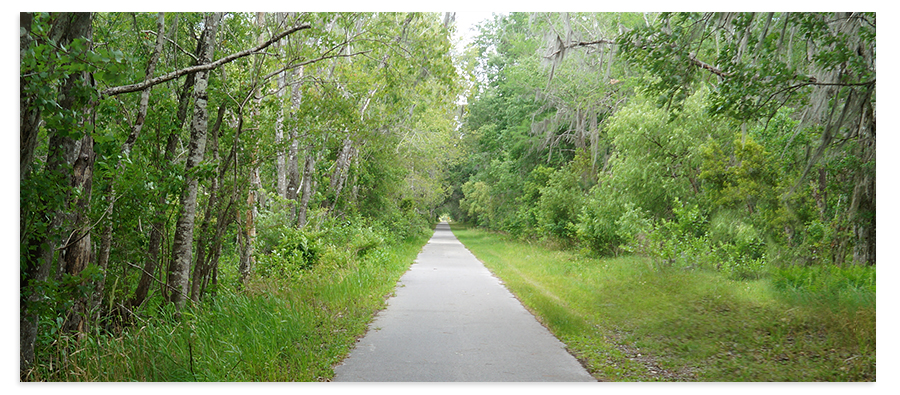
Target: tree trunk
pixel 29 113
pixel 201 266
pixel 280 165
pixel 29 120
pixel 280 157
pixel 38 248
pixel 293 173
pixel 247 234
pixel 77 252
pixel 157 226
pixel 179 267
pixel 309 167
pixel 341 170
pixel 863 200
pixel 156 234
pixel 247 237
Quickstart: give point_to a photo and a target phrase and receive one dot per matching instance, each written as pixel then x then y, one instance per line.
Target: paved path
pixel 452 320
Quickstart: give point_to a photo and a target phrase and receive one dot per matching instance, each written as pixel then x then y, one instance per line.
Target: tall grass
pixel 627 319
pixel 276 330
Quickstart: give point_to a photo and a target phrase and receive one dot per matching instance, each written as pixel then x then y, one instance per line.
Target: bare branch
pixel 203 67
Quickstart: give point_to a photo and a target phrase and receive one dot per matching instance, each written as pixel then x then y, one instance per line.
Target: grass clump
pixel 628 319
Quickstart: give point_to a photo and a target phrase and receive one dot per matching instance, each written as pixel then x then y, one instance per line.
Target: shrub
pixel 294 253
pixel 560 203
pixel 598 222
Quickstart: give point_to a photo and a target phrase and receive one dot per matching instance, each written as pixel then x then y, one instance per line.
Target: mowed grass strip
pixel 627 320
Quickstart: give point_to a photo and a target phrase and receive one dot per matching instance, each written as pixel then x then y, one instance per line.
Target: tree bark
pixel 201 266
pixel 341 170
pixel 248 235
pixel 38 249
pixel 29 113
pixel 77 252
pixel 309 167
pixel 179 267
pixel 293 172
pixel 157 226
pixel 280 163
pixel 283 86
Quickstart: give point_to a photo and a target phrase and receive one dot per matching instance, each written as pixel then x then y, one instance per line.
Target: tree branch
pixel 203 67
pixel 710 68
pixel 586 43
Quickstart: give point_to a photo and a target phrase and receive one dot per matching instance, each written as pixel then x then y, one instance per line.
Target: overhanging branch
pixel 203 67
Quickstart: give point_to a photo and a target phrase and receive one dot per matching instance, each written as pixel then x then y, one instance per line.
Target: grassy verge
pixel 275 331
pixel 627 320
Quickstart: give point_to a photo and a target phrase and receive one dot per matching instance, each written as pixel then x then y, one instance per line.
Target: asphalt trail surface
pixel 452 320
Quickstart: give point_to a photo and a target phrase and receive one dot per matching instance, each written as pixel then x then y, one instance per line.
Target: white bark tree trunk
pixel 341 170
pixel 180 266
pixel 306 187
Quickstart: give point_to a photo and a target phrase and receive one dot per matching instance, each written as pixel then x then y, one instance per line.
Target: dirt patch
pixel 652 371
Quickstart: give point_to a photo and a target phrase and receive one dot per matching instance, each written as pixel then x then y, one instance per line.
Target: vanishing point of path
pixel 452 320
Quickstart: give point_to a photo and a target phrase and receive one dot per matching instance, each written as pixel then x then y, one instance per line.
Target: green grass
pixel 628 320
pixel 274 331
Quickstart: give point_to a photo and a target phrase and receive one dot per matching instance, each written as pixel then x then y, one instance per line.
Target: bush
pixel 294 253
pixel 598 221
pixel 559 204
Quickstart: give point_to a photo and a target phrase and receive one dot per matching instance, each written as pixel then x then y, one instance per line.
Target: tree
pixel 822 65
pixel 180 265
pixel 56 220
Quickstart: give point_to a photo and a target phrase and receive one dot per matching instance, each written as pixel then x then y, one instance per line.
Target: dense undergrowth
pixel 636 318
pixel 313 294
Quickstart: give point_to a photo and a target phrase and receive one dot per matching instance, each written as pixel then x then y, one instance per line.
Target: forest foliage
pixel 728 141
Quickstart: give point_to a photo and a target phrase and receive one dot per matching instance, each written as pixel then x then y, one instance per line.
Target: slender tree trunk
pixel 179 267
pixel 293 173
pixel 29 120
pixel 341 170
pixel 204 239
pixel 309 167
pixel 158 224
pixel 863 200
pixel 248 235
pixel 280 157
pixel 156 236
pixel 280 165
